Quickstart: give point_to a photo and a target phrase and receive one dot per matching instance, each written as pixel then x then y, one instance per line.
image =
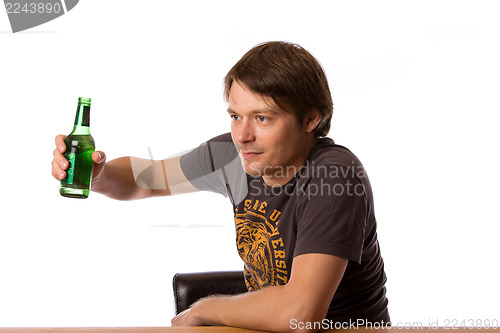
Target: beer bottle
pixel 79 148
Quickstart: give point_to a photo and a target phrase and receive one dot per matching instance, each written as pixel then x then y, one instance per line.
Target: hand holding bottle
pixel 60 164
pixel 73 155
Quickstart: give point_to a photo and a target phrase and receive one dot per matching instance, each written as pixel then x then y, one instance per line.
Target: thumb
pixel 98 157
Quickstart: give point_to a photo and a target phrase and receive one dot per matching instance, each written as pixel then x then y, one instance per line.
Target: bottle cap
pixel 83 100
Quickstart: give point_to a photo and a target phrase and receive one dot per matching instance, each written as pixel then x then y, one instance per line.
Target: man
pixel 303 205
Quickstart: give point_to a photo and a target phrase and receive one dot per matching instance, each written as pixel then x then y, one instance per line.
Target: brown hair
pixel 288 74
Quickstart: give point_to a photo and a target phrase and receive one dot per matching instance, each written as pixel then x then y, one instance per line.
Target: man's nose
pixel 244 132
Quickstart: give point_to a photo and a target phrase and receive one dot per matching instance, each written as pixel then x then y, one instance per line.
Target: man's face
pixel 269 141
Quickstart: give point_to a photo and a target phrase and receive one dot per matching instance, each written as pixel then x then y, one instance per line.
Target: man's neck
pixel 287 172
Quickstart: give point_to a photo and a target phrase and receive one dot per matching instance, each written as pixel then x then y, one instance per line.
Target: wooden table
pixel 214 329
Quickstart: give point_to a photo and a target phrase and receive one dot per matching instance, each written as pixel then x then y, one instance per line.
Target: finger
pixel 98 157
pixel 57 172
pixel 179 319
pixel 61 146
pixel 60 160
pixel 176 321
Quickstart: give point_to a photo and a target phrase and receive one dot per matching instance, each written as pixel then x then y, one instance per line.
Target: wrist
pixel 206 311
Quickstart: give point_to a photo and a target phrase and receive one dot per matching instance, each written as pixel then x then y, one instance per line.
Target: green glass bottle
pixel 79 148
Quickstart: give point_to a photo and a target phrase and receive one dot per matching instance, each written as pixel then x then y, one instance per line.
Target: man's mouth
pixel 250 154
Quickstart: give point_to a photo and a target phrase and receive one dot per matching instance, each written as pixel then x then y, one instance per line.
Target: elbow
pixel 305 320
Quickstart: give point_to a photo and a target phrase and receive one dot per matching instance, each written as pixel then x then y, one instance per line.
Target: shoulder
pixel 333 171
pixel 226 137
pixel 328 153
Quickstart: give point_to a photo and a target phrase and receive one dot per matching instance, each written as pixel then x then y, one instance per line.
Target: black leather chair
pixel 190 287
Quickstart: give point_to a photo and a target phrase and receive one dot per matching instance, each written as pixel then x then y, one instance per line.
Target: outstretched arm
pixel 128 178
pixel 132 178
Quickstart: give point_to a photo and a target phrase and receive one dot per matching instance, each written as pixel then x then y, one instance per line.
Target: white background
pixel 416 91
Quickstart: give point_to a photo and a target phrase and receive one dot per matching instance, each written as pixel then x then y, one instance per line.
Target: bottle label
pixel 71 168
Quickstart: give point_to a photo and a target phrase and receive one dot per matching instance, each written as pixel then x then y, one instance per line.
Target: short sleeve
pixel 214 166
pixel 332 216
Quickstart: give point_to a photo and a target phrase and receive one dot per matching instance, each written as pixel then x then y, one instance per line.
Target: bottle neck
pixel 80 130
pixel 82 120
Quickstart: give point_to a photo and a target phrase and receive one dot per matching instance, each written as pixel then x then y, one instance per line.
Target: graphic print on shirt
pixel 260 245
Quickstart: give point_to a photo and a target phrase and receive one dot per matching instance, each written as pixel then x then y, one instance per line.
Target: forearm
pixel 268 309
pixel 117 181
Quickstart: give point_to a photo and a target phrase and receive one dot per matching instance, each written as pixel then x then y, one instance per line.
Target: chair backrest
pixel 190 287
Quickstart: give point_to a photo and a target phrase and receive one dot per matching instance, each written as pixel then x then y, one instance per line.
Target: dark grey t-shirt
pixel 326 208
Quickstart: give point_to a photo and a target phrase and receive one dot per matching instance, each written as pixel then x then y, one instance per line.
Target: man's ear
pixel 312 120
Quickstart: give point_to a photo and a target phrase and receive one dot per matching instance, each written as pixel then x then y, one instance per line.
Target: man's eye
pixel 234 117
pixel 262 118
